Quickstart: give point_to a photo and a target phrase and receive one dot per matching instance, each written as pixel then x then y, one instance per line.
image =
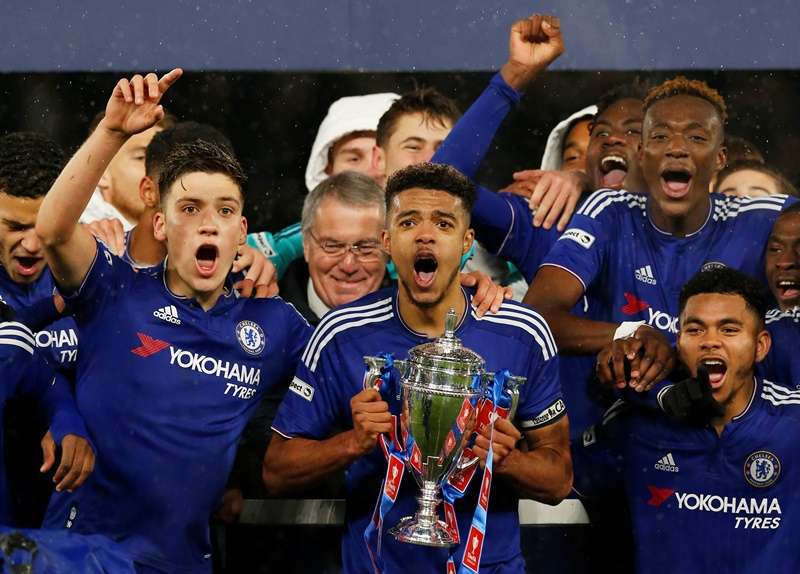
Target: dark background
pixel 272 117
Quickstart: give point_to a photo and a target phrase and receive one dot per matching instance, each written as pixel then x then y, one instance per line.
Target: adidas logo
pixel 168 314
pixel 645 275
pixel 667 464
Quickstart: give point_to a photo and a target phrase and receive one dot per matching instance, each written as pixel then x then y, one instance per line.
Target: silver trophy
pixel 438 382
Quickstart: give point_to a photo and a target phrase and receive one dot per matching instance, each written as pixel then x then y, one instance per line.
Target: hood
pixel 551 159
pixel 345 116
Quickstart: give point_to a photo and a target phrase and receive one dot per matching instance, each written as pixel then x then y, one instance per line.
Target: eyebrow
pixel 15 223
pixel 415 139
pixel 194 199
pixel 723 321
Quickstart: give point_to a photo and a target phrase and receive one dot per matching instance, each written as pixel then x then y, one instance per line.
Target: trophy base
pixel 412 531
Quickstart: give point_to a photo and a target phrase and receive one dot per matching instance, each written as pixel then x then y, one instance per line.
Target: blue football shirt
pixel 782 363
pixel 633 271
pixel 56 336
pixel 331 372
pixel 165 389
pixel 702 502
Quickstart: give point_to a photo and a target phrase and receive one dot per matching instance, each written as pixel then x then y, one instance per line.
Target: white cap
pixel 345 116
pixel 551 158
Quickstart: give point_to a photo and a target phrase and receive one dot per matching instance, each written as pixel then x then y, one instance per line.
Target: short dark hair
pixel 726 281
pixel 201 156
pixel 635 90
pixel 681 85
pixel 433 176
pixel 783 184
pixel 432 104
pixel 181 133
pixel 739 149
pixel 29 164
pixel 793 209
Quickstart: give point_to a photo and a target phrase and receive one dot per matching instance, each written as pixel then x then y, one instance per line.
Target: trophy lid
pixel 447 352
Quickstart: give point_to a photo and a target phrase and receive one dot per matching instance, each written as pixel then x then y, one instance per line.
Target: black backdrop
pixel 272 117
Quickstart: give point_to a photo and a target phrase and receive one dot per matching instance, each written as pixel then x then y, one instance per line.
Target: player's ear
pixel 386 242
pixel 469 238
pixel 148 192
pixel 722 158
pixel 378 159
pixel 243 231
pixel 159 225
pixel 763 344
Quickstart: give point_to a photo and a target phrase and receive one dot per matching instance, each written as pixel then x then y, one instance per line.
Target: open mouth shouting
pixel 787 289
pixel 206 259
pixel 675 182
pixel 425 266
pixel 27 266
pixel 613 169
pixel 716 368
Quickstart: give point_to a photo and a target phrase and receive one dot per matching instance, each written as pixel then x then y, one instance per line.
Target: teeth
pixel 614 158
pixel 713 362
pixel 787 283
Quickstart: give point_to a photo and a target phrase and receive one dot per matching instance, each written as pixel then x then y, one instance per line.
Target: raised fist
pixel 533 44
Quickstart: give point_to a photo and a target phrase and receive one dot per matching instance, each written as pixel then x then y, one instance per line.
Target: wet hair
pixel 726 281
pixel 681 85
pixel 350 188
pixel 739 149
pixel 181 133
pixel 432 104
pixel 433 176
pixel 635 90
pixel 199 156
pixel 783 184
pixel 29 164
pixel 166 122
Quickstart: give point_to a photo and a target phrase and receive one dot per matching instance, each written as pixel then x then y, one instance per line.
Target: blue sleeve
pixel 298 332
pixel 540 400
pixel 315 403
pixel 581 249
pixel 503 225
pixel 107 278
pixel 62 410
pixel 38 315
pixel 467 144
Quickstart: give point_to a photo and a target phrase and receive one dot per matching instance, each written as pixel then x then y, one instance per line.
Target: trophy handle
pixel 374 365
pixel 513 383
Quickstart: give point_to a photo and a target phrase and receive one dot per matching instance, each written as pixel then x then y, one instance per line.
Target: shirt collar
pixel 315 302
pixel 461 323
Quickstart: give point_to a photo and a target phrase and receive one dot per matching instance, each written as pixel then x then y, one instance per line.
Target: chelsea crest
pixel 251 337
pixel 762 469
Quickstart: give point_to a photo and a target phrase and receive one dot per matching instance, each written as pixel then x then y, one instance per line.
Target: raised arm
pixel 69 248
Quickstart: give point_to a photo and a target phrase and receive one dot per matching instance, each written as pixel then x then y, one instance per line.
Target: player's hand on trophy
pixel 647 356
pixel 552 195
pixel 110 232
pixel 77 460
pixel 261 280
pixel 134 105
pixel 371 417
pixel 505 441
pixel 488 294
pixel 533 44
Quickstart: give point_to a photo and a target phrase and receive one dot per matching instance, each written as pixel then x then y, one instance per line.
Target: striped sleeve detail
pixel 342 320
pixel 15 334
pixel 527 320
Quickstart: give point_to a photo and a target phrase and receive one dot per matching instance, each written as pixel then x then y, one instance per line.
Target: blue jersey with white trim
pixel 331 373
pixel 633 271
pixel 33 305
pixel 165 389
pixel 783 362
pixel 703 502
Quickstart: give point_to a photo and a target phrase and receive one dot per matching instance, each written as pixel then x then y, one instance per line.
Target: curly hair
pixel 681 85
pixel 29 164
pixel 433 176
pixel 202 156
pixel 726 281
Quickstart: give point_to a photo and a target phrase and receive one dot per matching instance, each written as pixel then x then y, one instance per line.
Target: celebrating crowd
pixel 645 281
